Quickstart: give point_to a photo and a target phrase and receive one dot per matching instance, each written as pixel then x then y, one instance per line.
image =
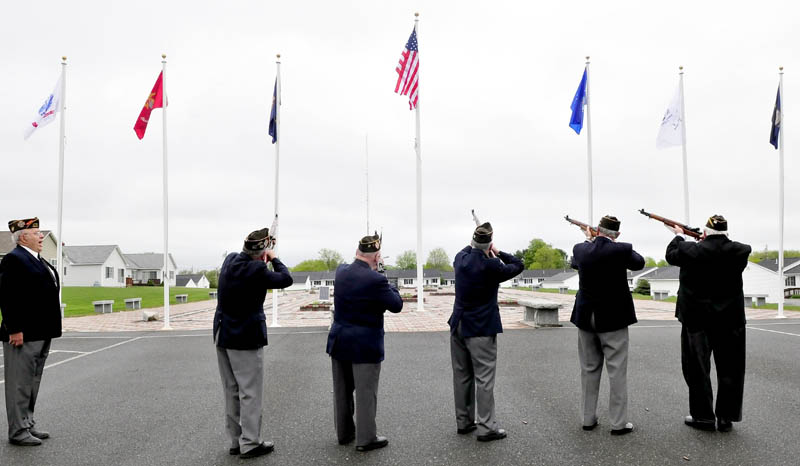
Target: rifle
pixel 273 233
pixel 581 225
pixel 477 224
pixel 693 232
pixel 381 268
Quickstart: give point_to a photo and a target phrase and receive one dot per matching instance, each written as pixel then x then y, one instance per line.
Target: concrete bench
pixel 181 298
pixel 63 306
pixel 103 307
pixel 540 312
pixel 659 295
pixel 212 294
pixel 148 316
pixel 563 289
pixel 133 303
pixel 755 300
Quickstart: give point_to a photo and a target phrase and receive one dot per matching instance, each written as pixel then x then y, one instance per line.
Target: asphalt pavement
pixel 156 399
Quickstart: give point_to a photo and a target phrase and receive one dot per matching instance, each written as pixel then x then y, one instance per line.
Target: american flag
pixel 407 71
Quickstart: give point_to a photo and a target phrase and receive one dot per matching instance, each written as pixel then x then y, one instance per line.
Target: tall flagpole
pixel 366 173
pixel 166 191
pixel 589 141
pixel 418 147
pixel 277 170
pixel 780 197
pixel 61 142
pixel 685 158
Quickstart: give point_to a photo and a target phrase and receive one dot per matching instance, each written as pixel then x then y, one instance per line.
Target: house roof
pixel 772 264
pixel 7 243
pixel 183 279
pixel 299 277
pixel 793 269
pixel 449 274
pixel 426 273
pixel 541 273
pixel 636 273
pixel 147 260
pixel 669 272
pixel 326 275
pixel 560 277
pixel 89 255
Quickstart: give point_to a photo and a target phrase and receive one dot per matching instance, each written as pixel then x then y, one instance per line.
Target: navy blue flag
pixel 776 121
pixel 576 121
pixel 273 117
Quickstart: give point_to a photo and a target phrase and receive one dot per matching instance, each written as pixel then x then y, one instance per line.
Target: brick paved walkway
pixel 437 309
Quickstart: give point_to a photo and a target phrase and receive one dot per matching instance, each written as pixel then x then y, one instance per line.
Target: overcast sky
pixel 496 82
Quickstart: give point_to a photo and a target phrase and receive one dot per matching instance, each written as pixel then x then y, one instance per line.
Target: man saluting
pixel 31 311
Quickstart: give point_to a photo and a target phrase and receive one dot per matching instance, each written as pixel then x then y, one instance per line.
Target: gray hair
pixel 711 232
pixel 17 236
pixel 481 246
pixel 607 232
pixel 366 255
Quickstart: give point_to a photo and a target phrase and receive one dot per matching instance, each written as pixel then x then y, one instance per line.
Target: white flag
pixel 671 132
pixel 47 112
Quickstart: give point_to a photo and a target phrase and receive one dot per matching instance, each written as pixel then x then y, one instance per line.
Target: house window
pixel 171 274
pixel 329 282
pixel 317 283
pixel 121 276
pixel 791 281
pixel 109 272
pixel 152 275
pixel 408 281
pixel 54 262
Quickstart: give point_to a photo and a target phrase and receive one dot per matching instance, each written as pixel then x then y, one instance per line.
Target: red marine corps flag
pixel 154 100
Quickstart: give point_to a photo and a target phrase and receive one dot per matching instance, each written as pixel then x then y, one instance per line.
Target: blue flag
pixel 776 121
pixel 273 115
pixel 576 121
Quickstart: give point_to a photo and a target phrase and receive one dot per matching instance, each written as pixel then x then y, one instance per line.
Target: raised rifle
pixel 381 268
pixel 477 224
pixel 273 233
pixel 581 225
pixel 693 232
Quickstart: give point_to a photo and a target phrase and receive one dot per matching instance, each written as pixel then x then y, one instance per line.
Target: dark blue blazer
pixel 603 291
pixel 478 278
pixel 710 293
pixel 360 299
pixel 242 288
pixel 29 300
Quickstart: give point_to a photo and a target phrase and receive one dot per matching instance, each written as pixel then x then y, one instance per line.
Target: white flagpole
pixel 277 169
pixel 685 158
pixel 61 142
pixel 418 146
pixel 780 198
pixel 166 191
pixel 366 173
pixel 589 141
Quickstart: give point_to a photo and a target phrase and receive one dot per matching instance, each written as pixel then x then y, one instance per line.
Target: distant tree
pixel 331 258
pixel 541 255
pixel 407 260
pixel 642 287
pixel 310 265
pixel 770 254
pixel 662 263
pixel 212 276
pixel 438 259
pixel 520 254
pixel 649 262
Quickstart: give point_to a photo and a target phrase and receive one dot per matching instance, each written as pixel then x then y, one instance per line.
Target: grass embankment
pixel 79 298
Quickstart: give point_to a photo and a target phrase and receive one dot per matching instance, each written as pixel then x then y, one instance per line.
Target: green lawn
pixel 79 298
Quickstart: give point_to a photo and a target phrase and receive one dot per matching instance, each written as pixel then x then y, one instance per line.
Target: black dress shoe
pixel 493 435
pixel 698 424
pixel 724 425
pixel 40 434
pixel 379 442
pixel 261 450
pixel 468 429
pixel 625 430
pixel 29 441
pixel 591 427
pixel 347 439
pixel 234 451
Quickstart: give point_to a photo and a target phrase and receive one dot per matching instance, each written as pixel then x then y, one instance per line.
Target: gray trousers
pixel 592 349
pixel 23 367
pixel 474 362
pixel 242 373
pixel 363 380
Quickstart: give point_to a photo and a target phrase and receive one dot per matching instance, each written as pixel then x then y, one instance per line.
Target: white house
pixel 150 266
pixel 532 277
pixel 194 280
pixel 95 266
pixel 408 278
pixel 300 282
pixel 635 275
pixel 448 278
pixel 758 280
pixel 568 279
pixel 49 246
pixel 664 281
pixel 318 279
pixel 791 273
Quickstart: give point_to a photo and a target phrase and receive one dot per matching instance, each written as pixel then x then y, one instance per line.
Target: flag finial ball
pixel 416 14
pixel 780 68
pixel 164 56
pixel 680 68
pixel 278 55
pixel 64 58
pixel 587 57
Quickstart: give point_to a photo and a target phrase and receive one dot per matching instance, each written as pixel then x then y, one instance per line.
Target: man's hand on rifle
pixel 675 229
pixel 271 255
pixel 588 232
pixel 494 252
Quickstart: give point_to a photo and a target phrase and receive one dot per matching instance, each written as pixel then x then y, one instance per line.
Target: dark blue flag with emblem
pixel 576 121
pixel 273 115
pixel 776 121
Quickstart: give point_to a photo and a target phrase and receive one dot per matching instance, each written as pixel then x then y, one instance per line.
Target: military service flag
pixel 776 121
pixel 154 100
pixel 47 111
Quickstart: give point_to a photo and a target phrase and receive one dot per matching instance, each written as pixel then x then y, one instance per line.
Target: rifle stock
pixel 581 225
pixel 273 233
pixel 689 231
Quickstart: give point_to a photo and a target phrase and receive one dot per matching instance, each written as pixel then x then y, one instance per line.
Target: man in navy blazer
pixel 240 334
pixel 31 310
pixel 602 312
pixel 474 325
pixel 355 344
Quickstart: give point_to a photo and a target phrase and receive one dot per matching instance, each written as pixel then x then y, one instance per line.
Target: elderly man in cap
pixel 710 308
pixel 31 310
pixel 603 310
pixel 355 344
pixel 474 325
pixel 240 334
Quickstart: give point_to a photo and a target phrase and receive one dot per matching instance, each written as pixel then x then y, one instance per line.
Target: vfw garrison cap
pixel 24 224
